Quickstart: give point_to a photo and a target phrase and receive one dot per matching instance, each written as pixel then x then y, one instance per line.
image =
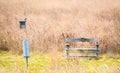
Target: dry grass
pixel 51 22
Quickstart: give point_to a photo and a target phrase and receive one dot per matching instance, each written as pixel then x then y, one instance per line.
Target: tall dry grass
pixel 51 22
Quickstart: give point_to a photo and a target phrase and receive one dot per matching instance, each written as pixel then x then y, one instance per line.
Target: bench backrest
pixel 82 40
pixel 84 50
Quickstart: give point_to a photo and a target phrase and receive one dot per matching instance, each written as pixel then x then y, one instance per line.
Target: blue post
pixel 25 42
pixel 26 52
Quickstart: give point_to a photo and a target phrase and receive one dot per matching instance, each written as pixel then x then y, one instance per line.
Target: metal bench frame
pixel 82 50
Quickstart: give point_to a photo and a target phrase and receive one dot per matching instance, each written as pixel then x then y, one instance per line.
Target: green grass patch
pixel 56 62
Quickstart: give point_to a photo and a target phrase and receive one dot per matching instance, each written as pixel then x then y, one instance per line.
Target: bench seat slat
pixel 83 56
pixel 82 49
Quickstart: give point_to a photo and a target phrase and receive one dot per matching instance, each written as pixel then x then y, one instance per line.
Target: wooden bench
pixel 94 51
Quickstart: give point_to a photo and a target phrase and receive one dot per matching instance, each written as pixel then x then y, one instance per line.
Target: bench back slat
pixel 81 40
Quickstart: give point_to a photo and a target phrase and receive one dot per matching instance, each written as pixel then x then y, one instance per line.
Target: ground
pixel 56 63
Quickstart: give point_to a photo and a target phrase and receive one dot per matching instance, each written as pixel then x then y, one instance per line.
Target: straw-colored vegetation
pixel 49 23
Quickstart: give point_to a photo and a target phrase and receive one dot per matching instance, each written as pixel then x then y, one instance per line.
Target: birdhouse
pixel 26 52
pixel 22 24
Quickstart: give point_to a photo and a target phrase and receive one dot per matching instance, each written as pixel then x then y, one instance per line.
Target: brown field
pixel 50 22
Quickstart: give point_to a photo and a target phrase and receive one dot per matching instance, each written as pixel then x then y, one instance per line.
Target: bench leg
pixel 67 54
pixel 97 57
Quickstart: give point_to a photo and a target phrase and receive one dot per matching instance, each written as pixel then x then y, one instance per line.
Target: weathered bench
pixel 94 51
